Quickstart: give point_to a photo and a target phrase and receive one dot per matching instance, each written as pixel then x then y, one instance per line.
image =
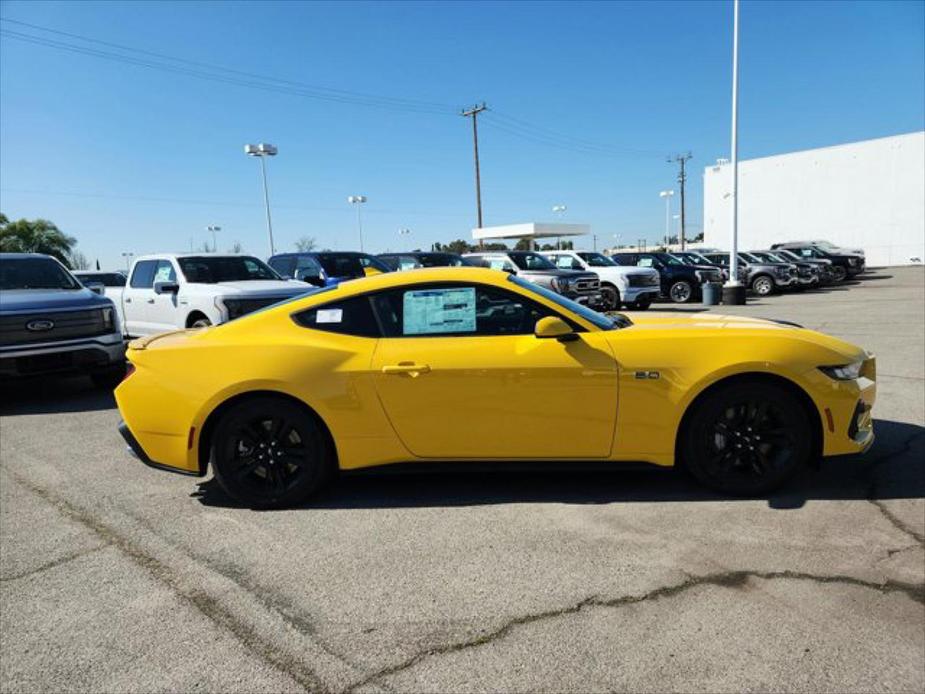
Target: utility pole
pixel 682 177
pixel 474 113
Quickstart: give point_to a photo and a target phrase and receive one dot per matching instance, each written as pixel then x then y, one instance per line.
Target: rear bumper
pixel 136 450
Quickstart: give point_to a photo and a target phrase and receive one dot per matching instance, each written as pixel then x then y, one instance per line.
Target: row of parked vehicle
pixel 55 320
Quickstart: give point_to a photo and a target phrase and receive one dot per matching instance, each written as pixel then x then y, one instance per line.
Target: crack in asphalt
pixel 905 447
pixel 727 579
pixel 207 605
pixel 55 562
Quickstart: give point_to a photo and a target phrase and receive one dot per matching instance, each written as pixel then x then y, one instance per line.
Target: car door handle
pixel 128 301
pixel 406 368
pixel 150 301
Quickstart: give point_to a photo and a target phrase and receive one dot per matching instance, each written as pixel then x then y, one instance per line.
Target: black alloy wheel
pixel 269 453
pixel 611 297
pixel 747 438
pixel 681 292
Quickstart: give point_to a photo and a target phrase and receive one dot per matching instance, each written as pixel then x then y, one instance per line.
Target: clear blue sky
pixel 129 158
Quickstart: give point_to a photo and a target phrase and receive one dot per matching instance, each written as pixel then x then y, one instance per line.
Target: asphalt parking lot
pixel 114 577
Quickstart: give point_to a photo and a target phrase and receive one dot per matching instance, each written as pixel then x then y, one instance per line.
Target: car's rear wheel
pixel 611 296
pixel 747 438
pixel 762 285
pixel 681 292
pixel 270 453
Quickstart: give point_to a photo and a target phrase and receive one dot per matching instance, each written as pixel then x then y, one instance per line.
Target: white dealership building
pixel 868 194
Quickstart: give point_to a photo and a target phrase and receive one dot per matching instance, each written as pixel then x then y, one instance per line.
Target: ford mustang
pixel 471 364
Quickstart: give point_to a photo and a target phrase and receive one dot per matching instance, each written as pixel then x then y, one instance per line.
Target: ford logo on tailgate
pixel 37 326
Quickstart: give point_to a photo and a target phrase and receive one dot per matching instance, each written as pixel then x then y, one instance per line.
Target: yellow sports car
pixel 470 364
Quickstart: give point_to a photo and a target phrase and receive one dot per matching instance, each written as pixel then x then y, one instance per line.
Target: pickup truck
pixel 635 287
pixel 51 323
pixel 174 291
pixel 583 287
pixel 680 282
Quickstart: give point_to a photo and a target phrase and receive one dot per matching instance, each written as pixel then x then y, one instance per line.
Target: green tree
pixel 305 244
pixel 35 236
pixel 457 246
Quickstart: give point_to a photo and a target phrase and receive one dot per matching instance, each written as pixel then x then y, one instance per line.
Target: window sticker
pixel 496 264
pixel 408 264
pixel 163 273
pixel 329 315
pixel 436 311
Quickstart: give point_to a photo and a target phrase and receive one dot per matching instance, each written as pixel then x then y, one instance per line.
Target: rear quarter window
pixel 353 316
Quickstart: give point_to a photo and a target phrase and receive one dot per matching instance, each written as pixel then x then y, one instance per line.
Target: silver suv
pixel 583 287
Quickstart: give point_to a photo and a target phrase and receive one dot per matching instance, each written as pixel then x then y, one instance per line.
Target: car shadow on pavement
pixel 894 468
pixel 53 395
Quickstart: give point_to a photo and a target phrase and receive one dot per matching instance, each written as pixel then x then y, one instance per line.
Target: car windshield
pixel 596 259
pixel 598 319
pixel 233 268
pixel 350 264
pixel 35 273
pixel 531 261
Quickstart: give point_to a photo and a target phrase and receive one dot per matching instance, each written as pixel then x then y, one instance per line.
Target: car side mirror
pixel 310 276
pixel 95 287
pixel 166 287
pixel 554 327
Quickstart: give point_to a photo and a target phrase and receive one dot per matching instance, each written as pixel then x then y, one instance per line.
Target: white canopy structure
pixel 531 231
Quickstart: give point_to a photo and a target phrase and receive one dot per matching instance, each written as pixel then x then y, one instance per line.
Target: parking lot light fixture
pixel 214 228
pixel 262 151
pixel 358 200
pixel 404 232
pixel 128 260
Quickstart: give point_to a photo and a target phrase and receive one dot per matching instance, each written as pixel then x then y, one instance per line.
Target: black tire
pixel 763 285
pixel 270 453
pixel 201 323
pixel 681 292
pixel 611 297
pixel 108 379
pixel 640 305
pixel 746 438
pixel 839 274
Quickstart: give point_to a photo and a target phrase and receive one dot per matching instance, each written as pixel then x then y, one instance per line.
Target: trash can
pixel 712 291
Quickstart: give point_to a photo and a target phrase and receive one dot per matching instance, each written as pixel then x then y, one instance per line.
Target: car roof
pixel 11 256
pixel 177 256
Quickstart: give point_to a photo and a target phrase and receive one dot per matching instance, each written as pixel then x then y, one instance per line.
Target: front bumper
pixel 592 299
pixel 846 411
pixel 69 356
pixel 634 294
pixel 785 281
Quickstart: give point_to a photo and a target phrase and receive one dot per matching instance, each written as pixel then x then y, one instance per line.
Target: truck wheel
pixel 611 297
pixel 108 379
pixel 839 274
pixel 201 323
pixel 681 292
pixel 641 305
pixel 762 285
pixel 270 453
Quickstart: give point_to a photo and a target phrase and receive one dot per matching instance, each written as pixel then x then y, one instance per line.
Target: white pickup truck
pixel 171 291
pixel 633 287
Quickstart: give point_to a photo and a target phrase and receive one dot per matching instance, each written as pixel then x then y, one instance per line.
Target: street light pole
pixel 358 200
pixel 128 257
pixel 262 151
pixel 559 210
pixel 667 195
pixel 735 292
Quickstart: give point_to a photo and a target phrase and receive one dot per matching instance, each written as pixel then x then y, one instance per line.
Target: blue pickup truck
pixel 51 323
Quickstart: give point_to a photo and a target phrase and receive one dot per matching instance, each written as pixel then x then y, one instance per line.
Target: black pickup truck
pixel 844 265
pixel 680 281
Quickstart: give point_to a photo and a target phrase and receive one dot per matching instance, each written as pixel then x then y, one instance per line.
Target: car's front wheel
pixel 270 453
pixel 746 438
pixel 681 292
pixel 763 285
pixel 611 296
pixel 839 274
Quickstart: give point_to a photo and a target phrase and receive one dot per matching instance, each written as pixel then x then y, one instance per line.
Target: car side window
pixel 456 310
pixel 353 316
pixel 284 266
pixel 143 274
pixel 165 272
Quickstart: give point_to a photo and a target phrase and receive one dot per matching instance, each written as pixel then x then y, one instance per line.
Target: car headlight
pixel 846 372
pixel 234 307
pixel 108 318
pixel 699 275
pixel 852 261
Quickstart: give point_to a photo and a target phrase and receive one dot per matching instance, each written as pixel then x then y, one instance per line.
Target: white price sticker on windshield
pixel 329 315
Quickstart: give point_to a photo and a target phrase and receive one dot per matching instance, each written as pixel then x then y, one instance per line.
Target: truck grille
pixel 64 326
pixel 646 280
pixel 587 284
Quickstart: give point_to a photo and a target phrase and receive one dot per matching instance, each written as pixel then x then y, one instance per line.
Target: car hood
pixel 558 273
pixel 263 287
pixel 720 324
pixel 34 300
